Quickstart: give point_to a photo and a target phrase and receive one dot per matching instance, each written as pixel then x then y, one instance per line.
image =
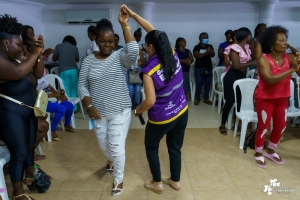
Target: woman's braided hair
pixel 9 26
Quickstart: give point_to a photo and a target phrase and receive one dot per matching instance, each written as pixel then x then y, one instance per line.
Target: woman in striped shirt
pixel 103 89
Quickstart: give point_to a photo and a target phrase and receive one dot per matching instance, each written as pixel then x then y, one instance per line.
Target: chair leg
pixel 81 107
pixel 220 102
pixel 193 92
pixel 73 121
pixel 3 189
pixel 236 126
pixel 40 149
pixel 254 125
pixel 49 135
pixel 63 124
pixel 243 133
pixel 229 120
pixel 214 99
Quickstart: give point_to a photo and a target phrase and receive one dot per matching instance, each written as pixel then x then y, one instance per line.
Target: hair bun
pixel 104 23
pixel 139 30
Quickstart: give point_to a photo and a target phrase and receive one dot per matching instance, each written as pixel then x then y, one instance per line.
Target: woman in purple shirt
pixel 165 102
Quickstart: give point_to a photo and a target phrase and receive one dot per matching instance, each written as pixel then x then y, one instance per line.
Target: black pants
pixel 229 79
pixel 175 134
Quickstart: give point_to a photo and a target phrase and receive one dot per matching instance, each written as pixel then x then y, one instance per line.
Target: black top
pixel 204 61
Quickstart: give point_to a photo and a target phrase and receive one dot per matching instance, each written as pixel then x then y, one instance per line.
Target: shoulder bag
pixel 40 105
pixel 134 77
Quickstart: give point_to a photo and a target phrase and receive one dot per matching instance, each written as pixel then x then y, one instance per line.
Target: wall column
pixel 266 11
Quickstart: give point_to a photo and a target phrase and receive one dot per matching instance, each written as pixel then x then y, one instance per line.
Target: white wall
pixel 26 14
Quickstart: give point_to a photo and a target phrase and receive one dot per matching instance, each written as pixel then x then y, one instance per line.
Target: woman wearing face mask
pixel 103 89
pixel 239 55
pixel 92 36
pixel 203 52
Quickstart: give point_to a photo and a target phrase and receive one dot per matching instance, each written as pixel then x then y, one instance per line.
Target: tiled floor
pixel 213 167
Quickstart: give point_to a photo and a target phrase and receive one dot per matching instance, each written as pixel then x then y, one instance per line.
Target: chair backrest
pixel 298 89
pixel 291 99
pixel 217 71
pixel 51 78
pixel 192 72
pixel 54 70
pixel 221 78
pixel 250 73
pixel 247 87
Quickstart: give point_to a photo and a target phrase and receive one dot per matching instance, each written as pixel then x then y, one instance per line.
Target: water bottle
pixel 36 172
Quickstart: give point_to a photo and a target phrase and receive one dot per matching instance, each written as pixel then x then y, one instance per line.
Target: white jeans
pixel 111 132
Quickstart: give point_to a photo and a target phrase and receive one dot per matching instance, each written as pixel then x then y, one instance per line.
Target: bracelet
pixel 88 107
pixel 127 26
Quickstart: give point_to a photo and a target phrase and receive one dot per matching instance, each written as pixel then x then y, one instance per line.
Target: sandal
pixel 28 181
pixel 70 129
pixel 223 130
pixel 207 102
pixel 156 187
pixel 109 168
pixel 115 191
pixel 260 158
pixel 38 157
pixel 21 195
pixel 56 139
pixel 173 184
pixel 273 156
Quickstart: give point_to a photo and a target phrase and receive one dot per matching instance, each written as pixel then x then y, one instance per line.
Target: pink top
pixel 244 56
pixel 278 90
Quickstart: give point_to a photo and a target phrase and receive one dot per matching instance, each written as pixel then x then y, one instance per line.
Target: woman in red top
pixel 273 90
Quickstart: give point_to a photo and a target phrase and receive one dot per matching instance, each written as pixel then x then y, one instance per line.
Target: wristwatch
pixel 88 107
pixel 135 112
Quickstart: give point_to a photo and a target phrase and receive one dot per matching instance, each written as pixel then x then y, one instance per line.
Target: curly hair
pixel 268 38
pixel 9 27
pixel 104 25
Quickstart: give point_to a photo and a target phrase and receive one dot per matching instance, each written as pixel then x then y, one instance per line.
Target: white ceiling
pixel 48 2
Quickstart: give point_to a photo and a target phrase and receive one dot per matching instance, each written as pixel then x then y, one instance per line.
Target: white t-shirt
pixel 93 47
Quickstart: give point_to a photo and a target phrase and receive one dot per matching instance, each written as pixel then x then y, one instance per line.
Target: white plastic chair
pixel 50 78
pixel 192 81
pixel 217 71
pixel 292 111
pixel 298 89
pixel 230 116
pixel 246 113
pixel 54 70
pixel 143 93
pixel 250 73
pixel 4 158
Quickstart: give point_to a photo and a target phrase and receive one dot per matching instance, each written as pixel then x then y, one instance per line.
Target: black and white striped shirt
pixel 105 80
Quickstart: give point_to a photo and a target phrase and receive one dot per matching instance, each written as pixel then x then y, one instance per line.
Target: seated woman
pixel 61 108
pixel 275 69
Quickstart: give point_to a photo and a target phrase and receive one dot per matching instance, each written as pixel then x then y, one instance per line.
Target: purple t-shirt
pixel 170 98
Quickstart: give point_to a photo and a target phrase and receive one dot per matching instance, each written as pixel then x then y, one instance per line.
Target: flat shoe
pixel 260 158
pixel 173 184
pixel 153 186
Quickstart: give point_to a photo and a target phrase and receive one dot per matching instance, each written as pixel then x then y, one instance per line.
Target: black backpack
pixel 250 141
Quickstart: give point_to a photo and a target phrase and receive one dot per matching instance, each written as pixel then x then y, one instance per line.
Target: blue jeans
pixel 134 89
pixel 60 110
pixel 200 81
pixel 70 80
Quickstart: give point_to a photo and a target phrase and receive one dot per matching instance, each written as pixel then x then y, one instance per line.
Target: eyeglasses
pixel 282 41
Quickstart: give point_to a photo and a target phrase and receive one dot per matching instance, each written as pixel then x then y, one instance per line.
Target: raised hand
pixel 123 16
pixel 38 46
pixel 296 63
pixel 125 8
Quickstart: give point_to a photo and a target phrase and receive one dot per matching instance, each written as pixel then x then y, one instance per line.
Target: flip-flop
pixel 262 159
pixel 273 156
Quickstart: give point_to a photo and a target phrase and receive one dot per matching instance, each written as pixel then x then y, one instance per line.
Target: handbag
pixel 42 184
pixel 134 77
pixel 40 105
pixel 205 72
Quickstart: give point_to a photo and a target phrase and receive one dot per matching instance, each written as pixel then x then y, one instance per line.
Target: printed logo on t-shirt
pixel 170 105
pixel 202 50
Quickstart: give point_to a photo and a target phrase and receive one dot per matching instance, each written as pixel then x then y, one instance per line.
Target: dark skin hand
pixel 11 70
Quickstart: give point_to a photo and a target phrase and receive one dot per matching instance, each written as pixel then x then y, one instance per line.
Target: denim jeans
pixel 111 132
pixel 200 81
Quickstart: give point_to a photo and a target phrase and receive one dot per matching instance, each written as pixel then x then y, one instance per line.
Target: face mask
pixel 205 41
